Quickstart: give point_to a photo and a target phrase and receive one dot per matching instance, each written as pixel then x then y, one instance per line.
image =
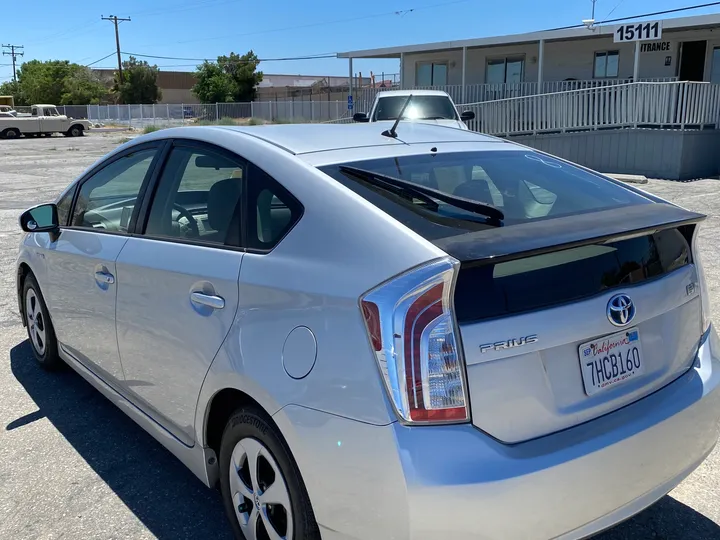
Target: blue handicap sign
pixel 350 102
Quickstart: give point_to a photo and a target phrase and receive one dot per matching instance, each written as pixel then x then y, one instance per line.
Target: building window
pixel 431 74
pixel 606 64
pixel 715 72
pixel 505 70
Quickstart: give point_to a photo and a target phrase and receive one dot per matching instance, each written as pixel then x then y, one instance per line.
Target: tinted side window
pixel 198 197
pixel 107 200
pixel 273 211
pixel 63 206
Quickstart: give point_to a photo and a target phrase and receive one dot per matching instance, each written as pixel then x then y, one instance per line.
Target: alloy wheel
pixel 35 322
pixel 259 493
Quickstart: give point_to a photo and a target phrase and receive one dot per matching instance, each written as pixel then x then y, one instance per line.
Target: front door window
pixel 107 200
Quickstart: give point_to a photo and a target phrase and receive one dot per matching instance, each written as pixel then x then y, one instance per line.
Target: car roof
pixel 311 138
pixel 390 93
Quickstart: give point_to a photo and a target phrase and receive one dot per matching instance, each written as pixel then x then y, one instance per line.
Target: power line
pixel 613 9
pixel 14 55
pixel 115 20
pixel 103 58
pixel 629 17
pixel 400 12
pixel 665 12
pixel 179 9
pixel 289 58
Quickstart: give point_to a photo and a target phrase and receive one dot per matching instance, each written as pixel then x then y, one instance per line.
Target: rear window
pixel 527 186
pixel 420 108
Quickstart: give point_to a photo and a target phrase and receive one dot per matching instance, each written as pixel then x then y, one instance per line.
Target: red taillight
pixel 412 331
pixel 372 319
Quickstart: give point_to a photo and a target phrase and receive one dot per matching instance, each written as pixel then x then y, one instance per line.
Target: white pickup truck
pixel 43 120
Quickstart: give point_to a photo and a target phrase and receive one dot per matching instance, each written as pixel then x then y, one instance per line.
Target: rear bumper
pixel 399 482
pixel 567 485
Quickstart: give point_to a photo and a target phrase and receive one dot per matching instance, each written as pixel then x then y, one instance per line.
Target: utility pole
pixel 115 20
pixel 14 55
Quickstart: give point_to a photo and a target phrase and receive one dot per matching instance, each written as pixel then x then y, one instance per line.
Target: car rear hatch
pixel 567 319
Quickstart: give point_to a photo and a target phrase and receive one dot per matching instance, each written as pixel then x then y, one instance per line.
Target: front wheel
pixel 75 131
pixel 39 326
pixel 262 490
pixel 11 133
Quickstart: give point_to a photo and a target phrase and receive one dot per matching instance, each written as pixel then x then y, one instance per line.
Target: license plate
pixel 611 360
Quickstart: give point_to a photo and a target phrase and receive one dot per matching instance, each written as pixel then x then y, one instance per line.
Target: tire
pixel 39 326
pixel 11 133
pixel 250 432
pixel 76 131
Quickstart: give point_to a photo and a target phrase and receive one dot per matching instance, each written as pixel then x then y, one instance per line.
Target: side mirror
pixel 361 117
pixel 41 218
pixel 467 115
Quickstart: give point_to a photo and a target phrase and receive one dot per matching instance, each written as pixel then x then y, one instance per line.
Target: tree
pixel 12 88
pixel 56 81
pixel 139 84
pixel 83 87
pixel 232 78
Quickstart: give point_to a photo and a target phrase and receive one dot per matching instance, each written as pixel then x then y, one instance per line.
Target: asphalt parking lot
pixel 74 466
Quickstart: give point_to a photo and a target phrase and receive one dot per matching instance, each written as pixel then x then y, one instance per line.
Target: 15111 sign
pixel 641 31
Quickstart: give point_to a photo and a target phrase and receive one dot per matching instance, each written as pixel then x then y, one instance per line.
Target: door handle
pixel 209 300
pixel 104 277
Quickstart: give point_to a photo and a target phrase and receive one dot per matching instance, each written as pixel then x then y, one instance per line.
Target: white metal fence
pixel 476 93
pixel 681 105
pixel 566 106
pixel 230 113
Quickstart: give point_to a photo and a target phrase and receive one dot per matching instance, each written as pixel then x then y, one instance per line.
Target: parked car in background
pixel 43 120
pixel 422 334
pixel 429 106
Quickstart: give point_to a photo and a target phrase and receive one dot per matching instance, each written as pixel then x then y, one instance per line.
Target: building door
pixel 692 61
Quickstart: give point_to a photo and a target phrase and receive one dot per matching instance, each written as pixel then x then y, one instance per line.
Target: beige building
pixel 688 48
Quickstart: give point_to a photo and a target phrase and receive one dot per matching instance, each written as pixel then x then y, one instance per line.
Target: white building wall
pixel 566 59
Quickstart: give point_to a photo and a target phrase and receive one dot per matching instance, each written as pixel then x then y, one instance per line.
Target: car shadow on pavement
pixel 164 495
pixel 172 503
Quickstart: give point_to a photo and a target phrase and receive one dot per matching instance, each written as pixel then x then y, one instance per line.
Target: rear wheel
pixel 75 131
pixel 261 486
pixel 11 133
pixel 39 327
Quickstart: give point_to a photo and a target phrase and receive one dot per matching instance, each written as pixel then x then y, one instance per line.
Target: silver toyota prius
pixel 380 332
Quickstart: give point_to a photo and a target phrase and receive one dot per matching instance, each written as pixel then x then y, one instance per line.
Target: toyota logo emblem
pixel 620 310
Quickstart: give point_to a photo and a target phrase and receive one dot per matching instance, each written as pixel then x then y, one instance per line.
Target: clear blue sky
pixel 286 28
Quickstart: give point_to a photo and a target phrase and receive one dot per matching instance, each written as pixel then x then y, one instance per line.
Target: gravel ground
pixel 74 466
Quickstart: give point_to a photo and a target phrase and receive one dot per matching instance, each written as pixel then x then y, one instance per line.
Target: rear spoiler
pixel 542 236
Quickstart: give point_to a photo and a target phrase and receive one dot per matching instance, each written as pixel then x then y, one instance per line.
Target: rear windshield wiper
pixel 408 192
pixel 469 205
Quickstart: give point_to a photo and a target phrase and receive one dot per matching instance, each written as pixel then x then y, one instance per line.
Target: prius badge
pixel 508 344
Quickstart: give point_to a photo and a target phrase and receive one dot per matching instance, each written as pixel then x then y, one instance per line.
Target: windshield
pixel 525 185
pixel 420 108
